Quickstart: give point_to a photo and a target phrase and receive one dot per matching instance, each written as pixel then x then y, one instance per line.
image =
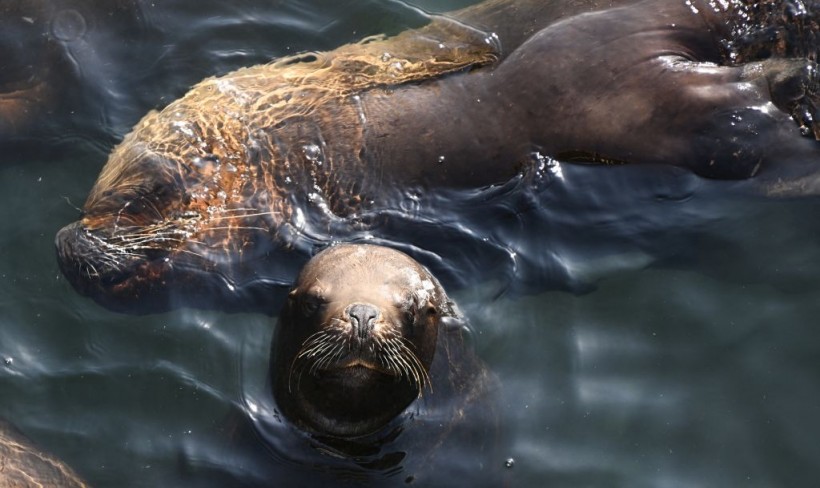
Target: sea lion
pixel 223 178
pixel 368 333
pixel 22 465
pixel 356 339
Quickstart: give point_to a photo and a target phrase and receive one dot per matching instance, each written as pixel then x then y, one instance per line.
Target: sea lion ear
pixel 452 324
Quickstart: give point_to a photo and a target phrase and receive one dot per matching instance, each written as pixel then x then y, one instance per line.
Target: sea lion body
pixel 226 175
pixel 22 465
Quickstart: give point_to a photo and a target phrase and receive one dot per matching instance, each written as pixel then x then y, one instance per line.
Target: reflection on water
pixel 686 355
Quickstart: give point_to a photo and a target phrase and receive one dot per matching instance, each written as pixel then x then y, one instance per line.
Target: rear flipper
pixel 794 88
pixel 745 136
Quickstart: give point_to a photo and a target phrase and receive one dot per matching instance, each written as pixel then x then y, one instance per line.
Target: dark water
pixel 648 328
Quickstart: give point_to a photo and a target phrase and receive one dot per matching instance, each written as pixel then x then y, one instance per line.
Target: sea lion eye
pixel 310 304
pixel 431 310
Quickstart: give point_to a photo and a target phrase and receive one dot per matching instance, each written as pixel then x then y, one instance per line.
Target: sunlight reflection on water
pixel 686 358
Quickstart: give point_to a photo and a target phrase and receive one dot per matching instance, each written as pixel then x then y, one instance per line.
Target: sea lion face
pixel 356 339
pixel 131 226
pixel 161 221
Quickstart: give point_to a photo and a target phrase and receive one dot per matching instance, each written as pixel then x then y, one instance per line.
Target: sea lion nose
pixel 362 317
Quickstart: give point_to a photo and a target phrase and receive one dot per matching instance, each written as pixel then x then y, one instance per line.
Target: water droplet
pixel 8 361
pixel 441 159
pixel 312 152
pixel 509 463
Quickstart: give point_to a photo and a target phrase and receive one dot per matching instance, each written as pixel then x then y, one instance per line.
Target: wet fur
pixel 219 177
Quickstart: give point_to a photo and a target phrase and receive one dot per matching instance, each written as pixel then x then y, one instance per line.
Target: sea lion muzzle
pixel 362 317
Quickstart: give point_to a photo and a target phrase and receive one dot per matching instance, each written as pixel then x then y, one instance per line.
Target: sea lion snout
pixel 362 318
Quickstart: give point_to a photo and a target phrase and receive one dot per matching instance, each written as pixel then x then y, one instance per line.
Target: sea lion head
pixel 356 339
pixel 168 216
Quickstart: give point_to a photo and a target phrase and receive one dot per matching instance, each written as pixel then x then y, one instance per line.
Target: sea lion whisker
pixel 314 343
pixel 325 360
pixel 318 354
pixel 301 371
pixel 146 242
pixel 89 268
pixel 419 372
pixel 241 216
pixel 406 369
pixel 397 367
pixel 317 349
pixel 293 366
pixel 153 207
pixel 408 347
pixel 239 227
pixel 151 232
pixel 298 363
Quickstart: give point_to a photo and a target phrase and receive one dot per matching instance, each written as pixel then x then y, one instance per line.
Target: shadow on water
pixel 684 354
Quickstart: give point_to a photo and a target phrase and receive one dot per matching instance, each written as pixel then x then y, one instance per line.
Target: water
pixel 648 328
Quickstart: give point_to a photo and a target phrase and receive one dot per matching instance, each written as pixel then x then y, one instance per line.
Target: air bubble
pixel 68 25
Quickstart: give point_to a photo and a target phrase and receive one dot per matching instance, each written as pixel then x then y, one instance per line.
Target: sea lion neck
pixel 342 404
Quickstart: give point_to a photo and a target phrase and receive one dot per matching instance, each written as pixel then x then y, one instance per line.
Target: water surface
pixel 648 328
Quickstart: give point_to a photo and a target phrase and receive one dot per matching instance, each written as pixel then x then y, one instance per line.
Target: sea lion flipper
pixel 794 85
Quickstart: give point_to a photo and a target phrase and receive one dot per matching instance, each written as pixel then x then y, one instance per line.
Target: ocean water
pixel 646 327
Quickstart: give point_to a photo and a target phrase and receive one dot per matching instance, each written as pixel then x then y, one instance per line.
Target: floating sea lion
pixel 24 466
pixel 368 333
pixel 356 340
pixel 220 179
pixel 373 378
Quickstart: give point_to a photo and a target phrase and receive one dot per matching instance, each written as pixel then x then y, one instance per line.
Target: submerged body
pixel 55 53
pixel 244 164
